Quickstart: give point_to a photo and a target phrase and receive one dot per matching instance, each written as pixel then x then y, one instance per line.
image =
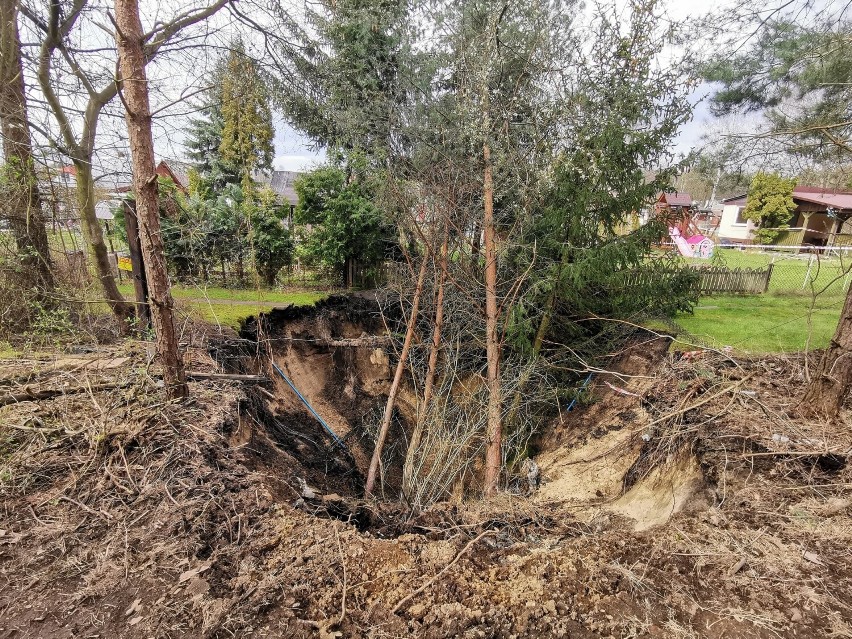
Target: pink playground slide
pixel 695 246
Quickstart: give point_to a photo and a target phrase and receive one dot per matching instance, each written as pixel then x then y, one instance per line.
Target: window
pixel 740 219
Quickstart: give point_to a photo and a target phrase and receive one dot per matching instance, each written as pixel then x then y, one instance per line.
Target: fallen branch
pixel 35 395
pixel 232 376
pixel 409 597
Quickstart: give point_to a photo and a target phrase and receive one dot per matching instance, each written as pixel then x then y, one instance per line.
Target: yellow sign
pixel 124 263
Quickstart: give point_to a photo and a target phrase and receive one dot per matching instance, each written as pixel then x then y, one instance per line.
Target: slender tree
pixel 247 133
pixel 397 380
pixel 24 207
pixel 133 84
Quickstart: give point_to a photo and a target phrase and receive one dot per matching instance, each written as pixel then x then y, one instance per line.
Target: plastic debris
pixel 621 391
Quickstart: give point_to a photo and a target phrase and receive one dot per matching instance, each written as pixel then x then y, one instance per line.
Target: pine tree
pixel 134 88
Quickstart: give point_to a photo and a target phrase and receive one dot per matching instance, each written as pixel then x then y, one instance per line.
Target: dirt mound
pixel 126 515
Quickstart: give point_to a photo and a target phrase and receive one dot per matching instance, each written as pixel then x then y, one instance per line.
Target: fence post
pixel 769 268
pixel 140 283
pixel 808 274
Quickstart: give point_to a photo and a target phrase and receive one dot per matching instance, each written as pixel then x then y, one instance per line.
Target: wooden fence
pixel 716 279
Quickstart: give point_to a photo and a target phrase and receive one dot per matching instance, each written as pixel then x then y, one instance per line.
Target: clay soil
pixel 681 500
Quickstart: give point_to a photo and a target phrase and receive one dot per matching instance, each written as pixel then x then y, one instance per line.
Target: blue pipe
pixel 334 436
pixel 574 401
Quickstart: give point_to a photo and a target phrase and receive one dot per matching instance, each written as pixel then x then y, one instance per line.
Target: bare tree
pixel 493 435
pixel 133 80
pixel 397 380
pixel 24 210
pixel 76 139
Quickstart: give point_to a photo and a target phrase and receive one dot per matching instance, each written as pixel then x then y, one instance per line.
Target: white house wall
pixel 730 229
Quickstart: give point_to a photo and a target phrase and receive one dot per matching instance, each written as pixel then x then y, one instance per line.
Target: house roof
pixel 826 197
pixel 830 198
pixel 676 199
pixel 737 200
pixel 282 183
pixel 175 170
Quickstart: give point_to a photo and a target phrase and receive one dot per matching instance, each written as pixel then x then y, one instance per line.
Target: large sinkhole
pixel 329 368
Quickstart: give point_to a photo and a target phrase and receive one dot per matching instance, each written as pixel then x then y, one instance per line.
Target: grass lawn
pixel 770 323
pixel 216 294
pixel 228 306
pixel 780 320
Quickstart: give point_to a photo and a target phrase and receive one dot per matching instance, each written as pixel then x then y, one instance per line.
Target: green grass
pixel 770 323
pixel 227 314
pixel 215 294
pixel 216 305
pixel 778 321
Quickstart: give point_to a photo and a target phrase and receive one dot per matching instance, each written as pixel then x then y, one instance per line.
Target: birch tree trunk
pixel 134 88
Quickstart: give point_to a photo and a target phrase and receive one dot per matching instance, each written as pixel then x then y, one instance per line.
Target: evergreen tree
pixel 347 226
pixel 204 140
pixel 798 74
pixel 347 91
pixel 247 131
pixel 233 137
pixel 770 204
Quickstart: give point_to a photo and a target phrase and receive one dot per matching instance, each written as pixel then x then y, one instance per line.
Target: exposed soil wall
pixel 336 356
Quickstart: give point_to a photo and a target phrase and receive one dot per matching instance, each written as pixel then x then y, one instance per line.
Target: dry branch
pixel 467 547
pixel 35 395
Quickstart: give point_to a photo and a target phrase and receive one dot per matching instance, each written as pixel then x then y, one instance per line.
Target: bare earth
pixel 692 507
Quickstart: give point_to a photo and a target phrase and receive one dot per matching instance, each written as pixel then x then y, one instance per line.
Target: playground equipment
pixel 694 246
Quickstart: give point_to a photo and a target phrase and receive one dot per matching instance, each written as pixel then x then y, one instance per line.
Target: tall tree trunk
pixel 494 429
pixel 829 387
pixel 429 385
pixel 24 207
pixel 134 86
pixel 93 234
pixel 397 380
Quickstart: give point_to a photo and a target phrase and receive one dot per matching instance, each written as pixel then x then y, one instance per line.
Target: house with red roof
pixel 822 217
